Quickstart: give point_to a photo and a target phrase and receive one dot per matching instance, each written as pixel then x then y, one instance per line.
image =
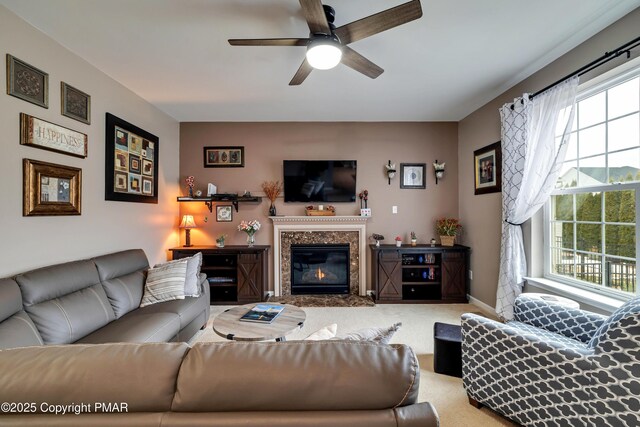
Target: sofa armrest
pixel 572 323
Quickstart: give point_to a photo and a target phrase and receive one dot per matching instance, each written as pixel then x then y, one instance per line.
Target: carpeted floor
pixel 444 392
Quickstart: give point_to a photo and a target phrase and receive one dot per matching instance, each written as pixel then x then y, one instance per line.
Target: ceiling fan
pixel 327 45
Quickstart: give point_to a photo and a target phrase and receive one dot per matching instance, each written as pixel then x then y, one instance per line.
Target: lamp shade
pixel 188 222
pixel 324 53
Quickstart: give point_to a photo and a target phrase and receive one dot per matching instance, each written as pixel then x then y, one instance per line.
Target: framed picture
pixel 412 175
pixel 224 213
pixel 50 189
pixel 131 168
pixel 27 82
pixel 75 103
pixel 223 157
pixel 487 165
pixel 40 133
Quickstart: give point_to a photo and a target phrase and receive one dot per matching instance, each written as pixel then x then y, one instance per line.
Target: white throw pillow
pixel 325 333
pixel 191 285
pixel 165 283
pixel 379 335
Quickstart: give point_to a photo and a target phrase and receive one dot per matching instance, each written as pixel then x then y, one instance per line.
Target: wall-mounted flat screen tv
pixel 320 180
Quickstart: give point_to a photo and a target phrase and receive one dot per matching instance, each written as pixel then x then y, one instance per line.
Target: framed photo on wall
pixel 224 213
pixel 131 167
pixel 223 157
pixel 412 175
pixel 75 103
pixel 26 82
pixel 487 165
pixel 50 189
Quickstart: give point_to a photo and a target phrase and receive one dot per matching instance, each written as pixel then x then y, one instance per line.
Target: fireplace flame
pixel 319 274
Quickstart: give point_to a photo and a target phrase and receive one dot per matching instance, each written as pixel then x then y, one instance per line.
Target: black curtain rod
pixel 608 56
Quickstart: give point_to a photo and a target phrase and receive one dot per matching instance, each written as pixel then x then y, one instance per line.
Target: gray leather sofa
pixel 94 301
pixel 285 384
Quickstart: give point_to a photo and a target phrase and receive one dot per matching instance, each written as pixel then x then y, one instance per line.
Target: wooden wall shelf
pixel 234 199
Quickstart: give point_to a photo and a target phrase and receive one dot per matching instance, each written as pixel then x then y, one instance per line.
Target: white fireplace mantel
pixel 319 223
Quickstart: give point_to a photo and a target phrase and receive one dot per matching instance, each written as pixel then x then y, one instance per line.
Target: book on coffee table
pixel 263 313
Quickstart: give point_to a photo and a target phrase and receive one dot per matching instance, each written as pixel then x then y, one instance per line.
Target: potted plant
pixel 220 240
pixel 448 228
pixel 398 241
pixel 272 190
pixel 414 239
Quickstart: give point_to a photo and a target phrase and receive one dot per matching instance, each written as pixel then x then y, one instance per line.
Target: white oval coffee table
pixel 228 324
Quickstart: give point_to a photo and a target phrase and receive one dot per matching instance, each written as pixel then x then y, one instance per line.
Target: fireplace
pixel 319 269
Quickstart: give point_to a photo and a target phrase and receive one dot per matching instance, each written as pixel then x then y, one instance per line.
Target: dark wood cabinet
pixel 236 274
pixel 420 274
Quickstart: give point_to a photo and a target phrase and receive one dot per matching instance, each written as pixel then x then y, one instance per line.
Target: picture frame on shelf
pixel 224 213
pixel 412 175
pixel 131 165
pixel 50 189
pixel 224 157
pixel 39 133
pixel 26 82
pixel 75 103
pixel 487 166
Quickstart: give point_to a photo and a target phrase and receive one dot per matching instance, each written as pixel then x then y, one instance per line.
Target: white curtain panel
pixel 534 135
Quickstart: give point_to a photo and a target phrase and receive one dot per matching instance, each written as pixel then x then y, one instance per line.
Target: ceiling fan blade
pixel 268 42
pixel 382 21
pixel 301 74
pixel 314 14
pixel 354 60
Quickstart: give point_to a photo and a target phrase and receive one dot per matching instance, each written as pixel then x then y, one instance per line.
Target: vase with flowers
pixel 448 229
pixel 272 190
pixel 249 227
pixel 398 241
pixel 190 181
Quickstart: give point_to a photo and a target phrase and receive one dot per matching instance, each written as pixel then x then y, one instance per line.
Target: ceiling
pixel 458 56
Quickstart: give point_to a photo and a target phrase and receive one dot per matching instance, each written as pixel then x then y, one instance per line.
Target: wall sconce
pixel 391 171
pixel 439 170
pixel 188 223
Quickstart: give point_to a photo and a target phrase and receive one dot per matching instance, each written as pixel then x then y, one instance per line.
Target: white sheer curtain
pixel 534 135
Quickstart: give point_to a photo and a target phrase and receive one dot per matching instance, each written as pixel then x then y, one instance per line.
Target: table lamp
pixel 187 223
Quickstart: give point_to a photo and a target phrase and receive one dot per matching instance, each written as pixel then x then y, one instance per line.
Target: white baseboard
pixel 485 308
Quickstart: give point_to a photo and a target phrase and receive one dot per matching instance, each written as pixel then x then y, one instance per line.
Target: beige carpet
pixel 444 392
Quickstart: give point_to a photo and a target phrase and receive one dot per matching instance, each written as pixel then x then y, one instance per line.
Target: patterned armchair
pixel 554 366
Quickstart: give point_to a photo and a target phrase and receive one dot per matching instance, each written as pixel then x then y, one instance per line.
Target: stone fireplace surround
pixel 288 230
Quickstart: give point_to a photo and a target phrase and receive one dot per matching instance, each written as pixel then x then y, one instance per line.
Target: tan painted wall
pixel 371 144
pixel 482 214
pixel 29 242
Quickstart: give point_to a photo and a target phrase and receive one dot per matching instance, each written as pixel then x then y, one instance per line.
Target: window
pixel 591 238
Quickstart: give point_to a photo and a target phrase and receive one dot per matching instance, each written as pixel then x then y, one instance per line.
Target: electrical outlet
pixel 394 209
pixel 470 275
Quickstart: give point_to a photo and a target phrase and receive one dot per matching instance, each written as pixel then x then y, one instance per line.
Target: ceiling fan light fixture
pixel 324 52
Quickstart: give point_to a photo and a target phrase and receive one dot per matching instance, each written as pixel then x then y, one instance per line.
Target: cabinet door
pixel 453 276
pixel 249 277
pixel 390 275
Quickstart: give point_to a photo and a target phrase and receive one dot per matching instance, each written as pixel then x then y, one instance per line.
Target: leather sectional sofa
pixel 284 384
pixel 94 301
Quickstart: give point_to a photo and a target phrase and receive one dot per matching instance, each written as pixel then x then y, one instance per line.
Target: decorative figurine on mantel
pixel 190 180
pixel 364 197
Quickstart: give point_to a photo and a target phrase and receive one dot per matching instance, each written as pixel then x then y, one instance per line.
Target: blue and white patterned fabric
pixel 543 371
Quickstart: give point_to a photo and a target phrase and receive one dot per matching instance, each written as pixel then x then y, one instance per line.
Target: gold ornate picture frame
pixel 50 189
